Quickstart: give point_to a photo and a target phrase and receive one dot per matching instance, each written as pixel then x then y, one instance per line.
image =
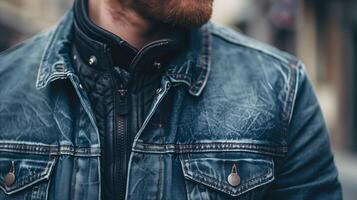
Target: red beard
pixel 185 13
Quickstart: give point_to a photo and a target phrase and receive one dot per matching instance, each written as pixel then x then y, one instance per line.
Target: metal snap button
pixel 158 91
pixel 10 177
pixel 60 68
pixel 92 60
pixel 233 177
pixel 157 65
pixel 81 87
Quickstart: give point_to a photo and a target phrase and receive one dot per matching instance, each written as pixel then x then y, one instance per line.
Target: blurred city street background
pixel 322 33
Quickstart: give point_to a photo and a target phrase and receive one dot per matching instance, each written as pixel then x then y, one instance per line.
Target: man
pixel 143 99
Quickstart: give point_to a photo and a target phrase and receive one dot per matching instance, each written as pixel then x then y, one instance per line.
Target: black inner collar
pixel 91 40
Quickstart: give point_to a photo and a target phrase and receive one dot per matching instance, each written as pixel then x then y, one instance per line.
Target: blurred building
pixel 20 19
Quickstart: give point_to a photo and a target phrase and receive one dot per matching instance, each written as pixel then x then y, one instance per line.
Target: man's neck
pixel 123 22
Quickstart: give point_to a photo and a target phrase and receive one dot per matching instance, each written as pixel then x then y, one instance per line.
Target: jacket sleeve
pixel 308 171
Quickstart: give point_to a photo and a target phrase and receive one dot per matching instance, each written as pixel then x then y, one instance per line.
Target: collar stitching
pixel 44 74
pixel 205 64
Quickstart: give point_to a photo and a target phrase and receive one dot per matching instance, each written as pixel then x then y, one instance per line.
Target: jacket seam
pixel 295 89
pixel 211 147
pixel 205 63
pixel 50 149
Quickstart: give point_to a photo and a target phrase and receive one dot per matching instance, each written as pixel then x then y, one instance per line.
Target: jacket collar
pixel 191 67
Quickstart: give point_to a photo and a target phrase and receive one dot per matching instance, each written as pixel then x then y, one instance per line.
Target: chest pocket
pixel 226 176
pixel 24 176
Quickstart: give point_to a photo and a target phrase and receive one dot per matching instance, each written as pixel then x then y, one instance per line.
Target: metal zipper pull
pixel 122 102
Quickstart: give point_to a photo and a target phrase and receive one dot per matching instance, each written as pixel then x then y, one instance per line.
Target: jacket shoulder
pixel 252 84
pixel 235 39
pixel 19 64
pixel 247 62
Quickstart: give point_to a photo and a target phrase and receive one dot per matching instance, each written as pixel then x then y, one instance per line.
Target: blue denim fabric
pixel 239 107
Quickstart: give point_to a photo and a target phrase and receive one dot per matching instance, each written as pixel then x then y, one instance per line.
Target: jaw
pixel 185 13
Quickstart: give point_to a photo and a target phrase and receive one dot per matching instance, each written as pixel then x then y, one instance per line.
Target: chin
pixel 183 13
pixel 191 13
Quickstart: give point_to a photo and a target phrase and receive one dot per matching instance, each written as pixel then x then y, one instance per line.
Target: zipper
pixel 120 149
pixel 121 146
pixel 121 141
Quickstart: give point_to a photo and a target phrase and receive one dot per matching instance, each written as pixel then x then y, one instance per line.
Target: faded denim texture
pixel 236 103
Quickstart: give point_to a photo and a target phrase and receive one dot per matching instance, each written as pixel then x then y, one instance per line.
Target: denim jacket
pixel 245 124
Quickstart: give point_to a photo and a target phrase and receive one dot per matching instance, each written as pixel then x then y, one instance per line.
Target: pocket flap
pixel 26 170
pixel 214 173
